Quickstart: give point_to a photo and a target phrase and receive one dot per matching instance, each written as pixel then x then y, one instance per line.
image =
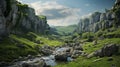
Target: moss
pixel 42 17
pixel 22 6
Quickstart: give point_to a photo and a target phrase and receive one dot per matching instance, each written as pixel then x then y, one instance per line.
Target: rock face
pixel 95 22
pixel 117 1
pixel 2 18
pixel 18 18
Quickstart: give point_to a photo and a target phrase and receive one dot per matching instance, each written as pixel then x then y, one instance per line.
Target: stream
pixel 59 54
pixel 48 60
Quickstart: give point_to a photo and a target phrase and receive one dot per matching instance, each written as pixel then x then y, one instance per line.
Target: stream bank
pixel 51 56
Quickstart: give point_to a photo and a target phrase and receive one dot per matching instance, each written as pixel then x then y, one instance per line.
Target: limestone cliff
pixel 97 21
pixel 18 18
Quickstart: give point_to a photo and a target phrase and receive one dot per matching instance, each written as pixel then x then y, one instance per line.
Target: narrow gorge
pixel 27 39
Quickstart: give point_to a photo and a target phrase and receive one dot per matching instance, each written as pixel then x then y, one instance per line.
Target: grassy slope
pixel 65 29
pixel 9 49
pixel 89 48
pixel 46 40
pixel 83 62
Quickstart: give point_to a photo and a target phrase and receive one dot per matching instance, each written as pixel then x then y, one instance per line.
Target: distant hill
pixel 65 29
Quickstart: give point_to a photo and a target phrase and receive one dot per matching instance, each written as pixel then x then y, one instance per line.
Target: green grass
pixel 10 51
pixel 87 35
pixel 115 34
pixel 89 47
pixel 23 40
pixel 83 62
pixel 46 39
pixel 62 30
pixel 49 42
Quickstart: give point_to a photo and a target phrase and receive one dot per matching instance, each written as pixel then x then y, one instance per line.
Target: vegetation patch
pixel 89 47
pixel 92 62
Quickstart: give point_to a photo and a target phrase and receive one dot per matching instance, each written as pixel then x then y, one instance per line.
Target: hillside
pixel 96 34
pixel 16 22
pixel 62 30
pixel 26 39
pixel 17 18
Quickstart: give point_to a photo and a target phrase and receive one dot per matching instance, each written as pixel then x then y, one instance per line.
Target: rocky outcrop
pixel 95 22
pixel 98 20
pixel 2 17
pixel 18 18
pixel 108 50
pixel 46 50
pixel 117 1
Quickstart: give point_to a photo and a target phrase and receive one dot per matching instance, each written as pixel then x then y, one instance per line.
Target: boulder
pixel 62 57
pixel 3 64
pixel 25 65
pixel 99 53
pixel 46 51
pixel 78 48
pixel 30 57
pixel 20 58
pixel 107 50
pixel 76 53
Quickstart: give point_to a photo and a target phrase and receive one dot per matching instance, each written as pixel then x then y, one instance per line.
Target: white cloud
pixel 57 14
pixel 19 1
pixel 86 16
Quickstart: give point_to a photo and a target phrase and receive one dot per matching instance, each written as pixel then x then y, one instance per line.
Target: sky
pixel 67 12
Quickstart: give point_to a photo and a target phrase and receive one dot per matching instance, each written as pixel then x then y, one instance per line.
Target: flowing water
pixel 49 60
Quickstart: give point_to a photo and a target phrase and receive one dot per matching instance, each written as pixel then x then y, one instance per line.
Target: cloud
pixel 19 1
pixel 86 16
pixel 56 13
pixel 87 5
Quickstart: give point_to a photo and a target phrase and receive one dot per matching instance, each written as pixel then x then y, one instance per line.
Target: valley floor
pixel 15 46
